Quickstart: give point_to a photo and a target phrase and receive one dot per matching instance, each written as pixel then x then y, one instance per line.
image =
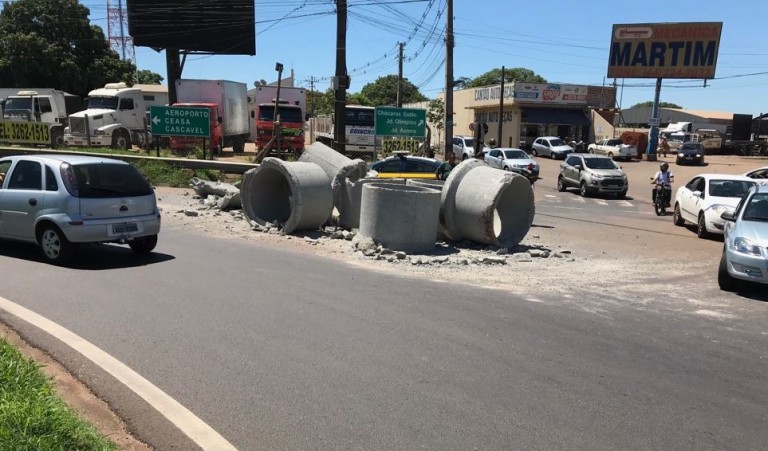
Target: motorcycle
pixel 661 199
pixel 579 147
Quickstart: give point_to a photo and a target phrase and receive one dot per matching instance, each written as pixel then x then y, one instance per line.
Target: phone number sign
pixel 20 132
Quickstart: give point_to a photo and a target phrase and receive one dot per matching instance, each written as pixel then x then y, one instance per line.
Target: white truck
pixel 709 135
pixel 229 99
pixel 115 117
pixel 291 109
pixel 613 148
pixel 359 129
pixel 45 106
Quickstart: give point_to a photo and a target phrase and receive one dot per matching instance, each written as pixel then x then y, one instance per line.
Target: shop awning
pixel 554 116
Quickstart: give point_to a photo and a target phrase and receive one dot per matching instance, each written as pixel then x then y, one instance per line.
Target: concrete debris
pixel 385 251
pixel 350 197
pixel 545 254
pixel 362 243
pixel 369 252
pixel 337 235
pixel 226 195
pixel 522 257
pixel 502 251
pixel 494 260
pixel 462 261
pixel 337 167
pixel 312 241
pixel 400 255
pixel 348 235
pixel 191 213
pixel 441 259
pixel 534 253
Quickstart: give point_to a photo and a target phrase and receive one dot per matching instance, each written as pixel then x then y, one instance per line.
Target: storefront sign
pixel 664 50
pixel 543 93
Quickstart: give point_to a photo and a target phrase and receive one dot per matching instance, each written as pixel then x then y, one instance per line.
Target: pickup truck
pixel 614 149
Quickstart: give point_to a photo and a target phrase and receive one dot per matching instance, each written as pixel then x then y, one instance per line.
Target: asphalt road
pixel 280 350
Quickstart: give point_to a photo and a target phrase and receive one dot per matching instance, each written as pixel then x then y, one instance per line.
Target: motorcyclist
pixel 492 143
pixel 665 177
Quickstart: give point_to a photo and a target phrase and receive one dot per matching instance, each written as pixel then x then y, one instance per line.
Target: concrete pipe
pixel 402 218
pixel 486 205
pixel 438 185
pixel 338 167
pixel 348 201
pixel 296 195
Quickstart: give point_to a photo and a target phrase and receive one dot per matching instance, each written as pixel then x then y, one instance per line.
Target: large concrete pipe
pixel 348 201
pixel 486 205
pixel 402 218
pixel 338 167
pixel 296 195
pixel 438 185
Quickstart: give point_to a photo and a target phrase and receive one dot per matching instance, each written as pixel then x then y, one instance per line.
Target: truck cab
pixel 30 106
pixel 115 117
pixel 291 125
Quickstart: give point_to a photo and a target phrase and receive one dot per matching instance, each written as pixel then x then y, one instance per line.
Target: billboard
pixel 664 50
pixel 221 26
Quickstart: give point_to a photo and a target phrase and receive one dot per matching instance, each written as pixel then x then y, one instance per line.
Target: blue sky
pixel 562 40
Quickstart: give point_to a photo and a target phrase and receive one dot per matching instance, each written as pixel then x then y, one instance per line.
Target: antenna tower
pixel 117 29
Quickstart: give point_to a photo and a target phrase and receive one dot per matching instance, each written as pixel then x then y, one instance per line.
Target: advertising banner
pixel 542 93
pixel 664 50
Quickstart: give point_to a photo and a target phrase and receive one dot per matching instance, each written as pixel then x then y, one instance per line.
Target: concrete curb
pixel 296 195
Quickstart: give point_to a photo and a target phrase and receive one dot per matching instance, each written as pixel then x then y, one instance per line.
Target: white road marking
pixel 601 202
pixel 625 203
pixel 197 430
pixel 578 199
pixel 551 196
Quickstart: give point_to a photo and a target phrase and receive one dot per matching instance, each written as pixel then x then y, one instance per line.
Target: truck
pixel 228 105
pixel 30 108
pixel 747 136
pixel 678 133
pixel 114 117
pixel 291 110
pixel 359 130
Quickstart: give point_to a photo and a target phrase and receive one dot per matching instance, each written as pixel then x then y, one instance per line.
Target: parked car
pixel 550 146
pixel 59 201
pixel 407 167
pixel 705 197
pixel 515 160
pixel 759 174
pixel 464 147
pixel 745 254
pixel 592 174
pixel 613 148
pixel 690 153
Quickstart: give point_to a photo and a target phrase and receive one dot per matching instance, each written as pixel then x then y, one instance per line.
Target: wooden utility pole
pixel 501 109
pixel 400 75
pixel 341 81
pixel 448 79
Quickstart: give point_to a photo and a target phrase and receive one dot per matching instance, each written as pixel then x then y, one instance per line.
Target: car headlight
pixel 698 155
pixel 744 246
pixel 720 209
pixel 681 155
pixel 597 176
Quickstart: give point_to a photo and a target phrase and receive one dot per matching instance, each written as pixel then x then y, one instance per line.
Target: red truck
pixel 291 110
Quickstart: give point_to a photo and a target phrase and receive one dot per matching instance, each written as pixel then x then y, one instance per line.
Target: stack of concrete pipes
pixel 476 202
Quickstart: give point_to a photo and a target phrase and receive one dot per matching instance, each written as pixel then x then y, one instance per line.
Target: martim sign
pixel 664 50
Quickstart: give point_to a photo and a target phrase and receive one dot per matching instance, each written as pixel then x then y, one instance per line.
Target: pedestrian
pixel 664 147
pixel 446 168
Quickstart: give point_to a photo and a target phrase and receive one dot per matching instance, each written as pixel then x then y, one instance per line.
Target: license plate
pixel 124 228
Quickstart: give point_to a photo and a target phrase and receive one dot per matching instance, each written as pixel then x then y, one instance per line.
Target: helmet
pixel 492 142
pixel 664 166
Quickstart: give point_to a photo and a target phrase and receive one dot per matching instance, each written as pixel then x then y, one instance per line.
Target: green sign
pixel 401 122
pixel 180 121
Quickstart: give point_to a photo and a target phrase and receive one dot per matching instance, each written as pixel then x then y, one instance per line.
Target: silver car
pixel 592 174
pixel 515 160
pixel 58 201
pixel 550 146
pixel 745 253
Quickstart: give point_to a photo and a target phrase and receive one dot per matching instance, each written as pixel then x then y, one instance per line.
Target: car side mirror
pixel 579 167
pixel 728 216
pixel 696 194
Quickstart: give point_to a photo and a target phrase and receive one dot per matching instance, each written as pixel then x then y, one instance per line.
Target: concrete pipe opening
pixel 270 198
pixel 513 213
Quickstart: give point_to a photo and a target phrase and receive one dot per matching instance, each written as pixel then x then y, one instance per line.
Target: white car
pixel 745 254
pixel 613 148
pixel 550 146
pixel 705 197
pixel 760 175
pixel 464 147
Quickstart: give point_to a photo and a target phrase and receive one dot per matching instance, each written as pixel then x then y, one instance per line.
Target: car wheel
pixel 724 279
pixel 464 157
pixel 552 155
pixel 143 245
pixel 54 246
pixel 535 154
pixel 560 184
pixel 622 195
pixel 610 155
pixel 583 189
pixel 506 168
pixel 701 227
pixel 677 218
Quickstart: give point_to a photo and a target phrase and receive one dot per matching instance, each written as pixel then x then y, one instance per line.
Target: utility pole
pixel 448 79
pixel 341 81
pixel 400 75
pixel 501 108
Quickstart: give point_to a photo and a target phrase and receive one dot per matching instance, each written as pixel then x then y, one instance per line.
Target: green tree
pixel 661 105
pixel 147 77
pixel 493 77
pixel 383 91
pixel 51 43
pixel 436 113
pixel 462 83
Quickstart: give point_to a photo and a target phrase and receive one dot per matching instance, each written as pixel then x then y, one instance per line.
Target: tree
pixel 493 77
pixel 51 43
pixel 462 83
pixel 383 91
pixel 436 116
pixel 147 77
pixel 661 105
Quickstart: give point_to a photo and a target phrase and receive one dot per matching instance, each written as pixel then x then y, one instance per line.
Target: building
pixel 638 117
pixel 530 110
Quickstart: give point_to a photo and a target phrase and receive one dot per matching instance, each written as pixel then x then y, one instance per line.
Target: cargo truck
pixel 227 102
pixel 291 110
pixel 115 117
pixel 29 109
pixel 359 130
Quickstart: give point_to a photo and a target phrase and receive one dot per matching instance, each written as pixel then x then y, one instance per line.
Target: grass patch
pixel 32 417
pixel 160 173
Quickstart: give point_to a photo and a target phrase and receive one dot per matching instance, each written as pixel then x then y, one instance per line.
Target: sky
pixel 564 41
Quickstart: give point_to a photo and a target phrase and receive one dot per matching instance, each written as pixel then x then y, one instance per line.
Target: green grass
pixel 32 417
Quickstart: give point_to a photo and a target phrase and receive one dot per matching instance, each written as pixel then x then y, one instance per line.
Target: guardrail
pixel 185 163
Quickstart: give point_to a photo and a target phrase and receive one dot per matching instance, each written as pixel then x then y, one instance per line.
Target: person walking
pixel 446 168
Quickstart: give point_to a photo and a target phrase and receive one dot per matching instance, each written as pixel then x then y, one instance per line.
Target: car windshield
pixel 287 114
pixel 556 142
pixel 691 146
pixel 757 208
pixel 729 188
pixel 98 180
pixel 515 155
pixel 600 163
pixel 18 104
pixel 107 103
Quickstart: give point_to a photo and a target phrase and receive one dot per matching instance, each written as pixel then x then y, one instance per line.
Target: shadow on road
pixel 94 257
pixel 753 291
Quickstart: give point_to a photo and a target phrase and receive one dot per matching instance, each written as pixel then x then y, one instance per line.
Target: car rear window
pixel 98 180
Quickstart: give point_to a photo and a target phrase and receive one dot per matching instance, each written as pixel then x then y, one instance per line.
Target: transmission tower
pixel 117 29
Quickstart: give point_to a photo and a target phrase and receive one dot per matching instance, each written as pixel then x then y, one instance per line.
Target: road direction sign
pixel 180 121
pixel 401 122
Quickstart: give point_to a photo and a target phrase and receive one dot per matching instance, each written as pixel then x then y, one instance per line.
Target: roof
pixel 705 113
pixel 726 177
pixel 152 88
pixel 71 159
